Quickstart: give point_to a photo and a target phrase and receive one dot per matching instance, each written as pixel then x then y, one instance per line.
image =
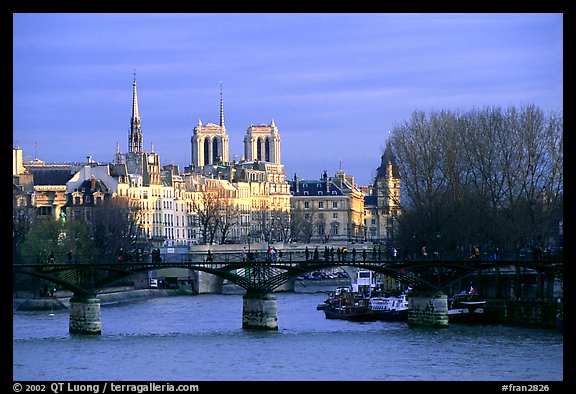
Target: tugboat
pixel 466 307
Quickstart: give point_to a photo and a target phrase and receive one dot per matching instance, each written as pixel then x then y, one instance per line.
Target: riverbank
pixel 128 294
pixel 106 298
pixel 300 286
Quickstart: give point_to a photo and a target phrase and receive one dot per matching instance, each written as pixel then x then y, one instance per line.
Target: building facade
pixel 327 209
pixel 262 143
pixel 210 141
pixel 382 204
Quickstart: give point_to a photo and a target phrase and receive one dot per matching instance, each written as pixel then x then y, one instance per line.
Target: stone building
pixel 210 141
pixel 41 186
pixel 262 143
pixel 382 204
pixel 328 209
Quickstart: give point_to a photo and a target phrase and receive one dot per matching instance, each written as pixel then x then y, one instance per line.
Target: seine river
pixel 200 338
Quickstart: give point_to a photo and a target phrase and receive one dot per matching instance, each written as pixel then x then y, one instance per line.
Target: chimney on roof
pixel 326 182
pixel 296 184
pixel 92 183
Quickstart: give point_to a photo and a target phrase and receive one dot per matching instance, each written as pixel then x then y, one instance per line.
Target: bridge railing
pixel 297 255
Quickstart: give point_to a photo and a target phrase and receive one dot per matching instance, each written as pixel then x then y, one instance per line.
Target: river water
pixel 200 338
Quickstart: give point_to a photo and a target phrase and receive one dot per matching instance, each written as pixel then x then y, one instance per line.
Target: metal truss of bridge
pixel 259 279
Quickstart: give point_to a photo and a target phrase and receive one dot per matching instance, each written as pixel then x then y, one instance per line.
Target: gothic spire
pixel 135 114
pixel 221 107
pixel 135 139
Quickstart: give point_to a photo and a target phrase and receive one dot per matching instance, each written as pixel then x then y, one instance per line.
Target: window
pixel 320 204
pixel 334 216
pixel 306 204
pixel 44 211
pixel 334 204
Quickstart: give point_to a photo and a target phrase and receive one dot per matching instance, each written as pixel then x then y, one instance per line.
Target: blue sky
pixel 335 84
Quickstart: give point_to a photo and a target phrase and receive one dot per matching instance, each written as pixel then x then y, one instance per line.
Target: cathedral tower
pixel 262 143
pixel 210 141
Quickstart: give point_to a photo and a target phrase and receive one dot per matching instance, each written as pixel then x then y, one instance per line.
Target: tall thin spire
pixel 221 107
pixel 135 138
pixel 134 99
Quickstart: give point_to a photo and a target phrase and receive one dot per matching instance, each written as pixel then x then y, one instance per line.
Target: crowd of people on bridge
pixel 341 254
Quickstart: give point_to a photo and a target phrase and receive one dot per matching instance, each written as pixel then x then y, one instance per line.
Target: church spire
pixel 135 139
pixel 221 107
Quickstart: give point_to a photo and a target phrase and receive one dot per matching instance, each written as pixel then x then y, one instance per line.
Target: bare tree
pixel 206 210
pixel 227 218
pixel 116 225
pixel 281 225
pixel 301 225
pixel 488 176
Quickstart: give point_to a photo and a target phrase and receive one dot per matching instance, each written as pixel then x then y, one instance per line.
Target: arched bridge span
pixel 87 279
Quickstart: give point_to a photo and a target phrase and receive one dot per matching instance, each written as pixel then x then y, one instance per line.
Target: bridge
pixel 429 278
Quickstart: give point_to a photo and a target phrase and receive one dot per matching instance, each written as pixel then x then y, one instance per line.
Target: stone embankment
pixel 111 297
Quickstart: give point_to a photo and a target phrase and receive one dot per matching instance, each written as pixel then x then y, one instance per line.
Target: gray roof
pixel 314 188
pixel 388 156
pixel 44 176
pixel 118 170
pixel 370 201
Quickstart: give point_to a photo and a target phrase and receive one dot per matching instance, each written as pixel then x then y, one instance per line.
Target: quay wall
pixel 124 295
pixel 524 312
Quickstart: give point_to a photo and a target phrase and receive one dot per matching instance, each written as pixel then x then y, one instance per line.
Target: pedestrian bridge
pixel 261 278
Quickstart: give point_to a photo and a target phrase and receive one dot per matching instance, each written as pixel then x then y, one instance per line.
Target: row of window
pixel 320 193
pixel 321 204
pixel 320 216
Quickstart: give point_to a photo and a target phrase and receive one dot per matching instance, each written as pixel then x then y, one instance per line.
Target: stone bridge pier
pixel 85 315
pixel 428 309
pixel 259 311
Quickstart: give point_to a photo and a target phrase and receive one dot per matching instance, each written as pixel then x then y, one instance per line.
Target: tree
pixel 281 225
pixel 115 226
pixel 206 210
pixel 49 236
pixel 301 225
pixel 489 176
pixel 227 218
pixel 22 222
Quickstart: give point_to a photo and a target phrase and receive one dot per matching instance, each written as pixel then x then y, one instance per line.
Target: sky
pixel 334 84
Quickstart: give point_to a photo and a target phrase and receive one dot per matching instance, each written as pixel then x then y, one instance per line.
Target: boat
pixel 346 304
pixel 389 308
pixel 466 307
